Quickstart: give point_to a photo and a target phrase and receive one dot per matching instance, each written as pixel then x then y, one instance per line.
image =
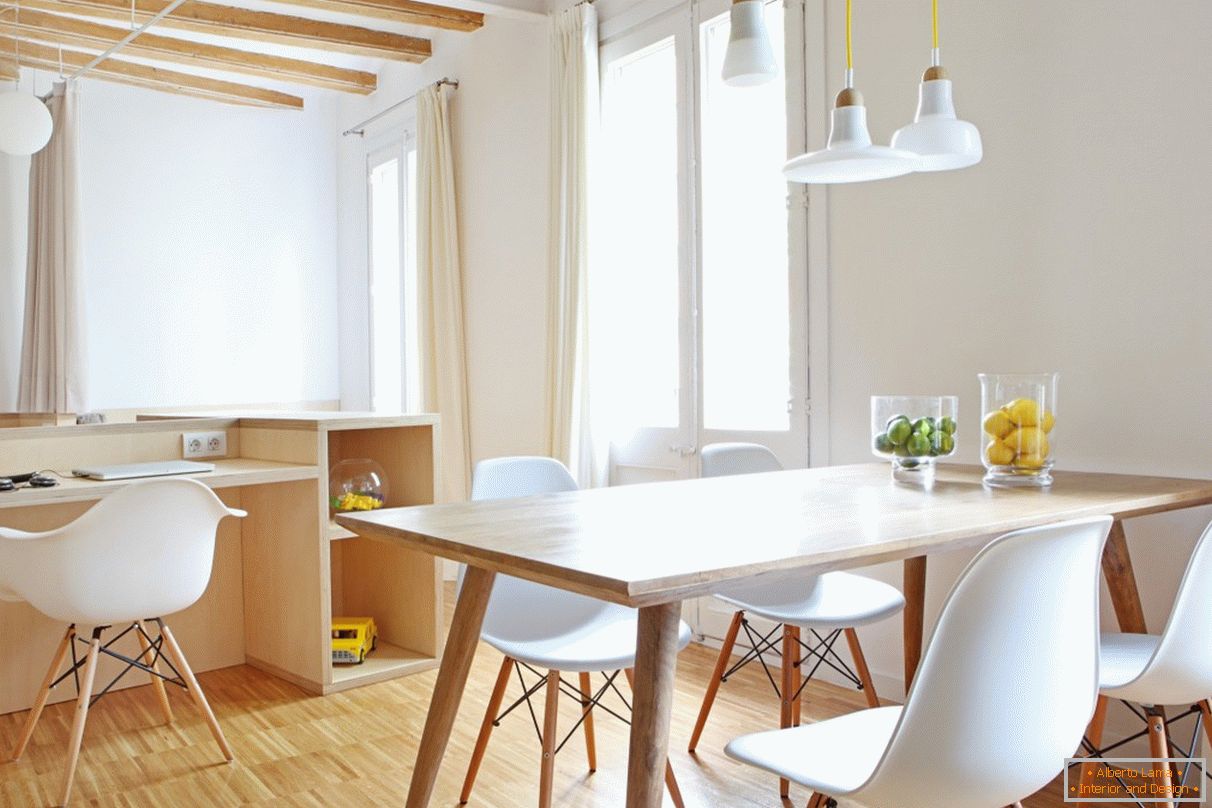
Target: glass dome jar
pixel 1018 419
pixel 913 432
pixel 357 485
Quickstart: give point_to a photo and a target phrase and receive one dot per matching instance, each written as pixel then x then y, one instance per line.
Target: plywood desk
pixel 652 546
pixel 281 573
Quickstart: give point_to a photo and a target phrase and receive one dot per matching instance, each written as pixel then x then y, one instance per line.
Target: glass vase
pixel 1018 418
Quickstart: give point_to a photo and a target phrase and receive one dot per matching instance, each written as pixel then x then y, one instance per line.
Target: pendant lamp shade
pixel 25 124
pixel 850 156
pixel 749 59
pixel 941 141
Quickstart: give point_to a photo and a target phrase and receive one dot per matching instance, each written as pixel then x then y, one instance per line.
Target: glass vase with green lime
pixel 913 432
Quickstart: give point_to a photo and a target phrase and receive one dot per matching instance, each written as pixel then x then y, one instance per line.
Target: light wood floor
pixel 356 749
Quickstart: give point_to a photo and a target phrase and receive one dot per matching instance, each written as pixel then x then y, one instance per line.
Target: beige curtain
pixel 52 375
pixel 574 116
pixel 440 291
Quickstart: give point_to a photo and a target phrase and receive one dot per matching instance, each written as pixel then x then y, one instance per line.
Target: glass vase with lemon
pixel 1019 424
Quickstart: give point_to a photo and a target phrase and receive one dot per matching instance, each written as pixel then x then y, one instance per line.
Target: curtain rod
pixel 359 129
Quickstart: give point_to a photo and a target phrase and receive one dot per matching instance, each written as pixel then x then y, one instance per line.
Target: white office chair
pixel 548 631
pixel 140 554
pixel 824 606
pixel 1171 668
pixel 1005 688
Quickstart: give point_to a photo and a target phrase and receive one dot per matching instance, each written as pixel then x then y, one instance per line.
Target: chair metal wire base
pixel 1100 753
pixel 594 702
pixel 821 651
pixel 155 646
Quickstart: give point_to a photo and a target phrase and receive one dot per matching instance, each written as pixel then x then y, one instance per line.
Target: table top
pixel 659 542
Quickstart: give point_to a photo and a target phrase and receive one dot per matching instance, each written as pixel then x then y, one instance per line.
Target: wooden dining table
pixel 653 546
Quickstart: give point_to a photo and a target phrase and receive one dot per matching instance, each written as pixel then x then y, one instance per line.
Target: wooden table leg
pixel 1121 581
pixel 656 661
pixel 452 677
pixel 915 615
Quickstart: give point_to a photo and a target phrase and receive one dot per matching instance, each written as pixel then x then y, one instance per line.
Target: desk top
pixel 227 474
pixel 659 542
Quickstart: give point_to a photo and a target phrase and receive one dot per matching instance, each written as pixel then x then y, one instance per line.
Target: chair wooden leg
pixel 860 663
pixel 31 721
pixel 818 800
pixel 671 780
pixel 1159 748
pixel 591 750
pixel 551 712
pixel 786 686
pixel 797 679
pixel 490 716
pixel 1205 716
pixel 178 659
pixel 1094 734
pixel 713 686
pixel 147 657
pixel 82 702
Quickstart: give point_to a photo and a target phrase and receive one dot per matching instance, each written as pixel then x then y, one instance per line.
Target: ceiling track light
pixel 937 136
pixel 849 156
pixel 749 59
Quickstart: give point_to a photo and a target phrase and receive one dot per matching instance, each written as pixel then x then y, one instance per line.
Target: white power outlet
pixel 203 444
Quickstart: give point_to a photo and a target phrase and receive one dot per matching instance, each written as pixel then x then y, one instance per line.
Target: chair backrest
pixel 725 459
pixel 144 551
pixel 522 610
pixel 1009 679
pixel 1180 671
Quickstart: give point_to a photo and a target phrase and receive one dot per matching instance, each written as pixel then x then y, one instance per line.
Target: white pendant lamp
pixel 850 156
pixel 25 122
pixel 749 60
pixel 941 140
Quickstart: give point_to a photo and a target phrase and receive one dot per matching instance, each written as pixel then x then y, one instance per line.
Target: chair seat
pixel 605 643
pixel 835 757
pixel 1123 657
pixel 827 602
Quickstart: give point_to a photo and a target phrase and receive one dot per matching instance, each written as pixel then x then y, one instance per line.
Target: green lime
pixel 900 451
pixel 947 424
pixel 899 429
pixel 942 443
pixel 923 426
pixel 909 463
pixel 883 444
pixel 918 445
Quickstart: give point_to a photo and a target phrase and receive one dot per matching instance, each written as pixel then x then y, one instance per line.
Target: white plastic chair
pixel 824 607
pixel 1171 668
pixel 548 631
pixel 1004 690
pixel 140 554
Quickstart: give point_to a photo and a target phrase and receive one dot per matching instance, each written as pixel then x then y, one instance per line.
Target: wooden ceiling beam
pixel 73 32
pixel 255 26
pixel 405 11
pixel 154 78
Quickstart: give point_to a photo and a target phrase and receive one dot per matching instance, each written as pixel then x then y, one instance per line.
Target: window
pixel 698 310
pixel 391 256
pixel 639 239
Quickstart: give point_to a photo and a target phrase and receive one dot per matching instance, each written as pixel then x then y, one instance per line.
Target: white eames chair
pixel 1171 668
pixel 140 554
pixel 816 607
pixel 550 631
pixel 1004 691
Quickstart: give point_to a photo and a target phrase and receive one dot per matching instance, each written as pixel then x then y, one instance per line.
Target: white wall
pixel 210 250
pixel 1081 244
pixel 500 114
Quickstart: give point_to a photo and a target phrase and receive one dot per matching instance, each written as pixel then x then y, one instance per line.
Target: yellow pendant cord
pixel 849 44
pixel 936 24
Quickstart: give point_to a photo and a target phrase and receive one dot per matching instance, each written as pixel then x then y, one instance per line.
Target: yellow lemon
pixel 1029 461
pixel 1023 411
pixel 1027 440
pixel 998 424
pixel 1049 421
pixel 999 454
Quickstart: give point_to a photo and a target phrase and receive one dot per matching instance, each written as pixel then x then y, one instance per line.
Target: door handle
pixel 684 450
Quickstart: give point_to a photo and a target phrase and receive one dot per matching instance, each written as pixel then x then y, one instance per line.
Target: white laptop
pixel 130 471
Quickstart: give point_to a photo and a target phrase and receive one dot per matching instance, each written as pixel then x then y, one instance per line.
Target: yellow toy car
pixel 352 639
